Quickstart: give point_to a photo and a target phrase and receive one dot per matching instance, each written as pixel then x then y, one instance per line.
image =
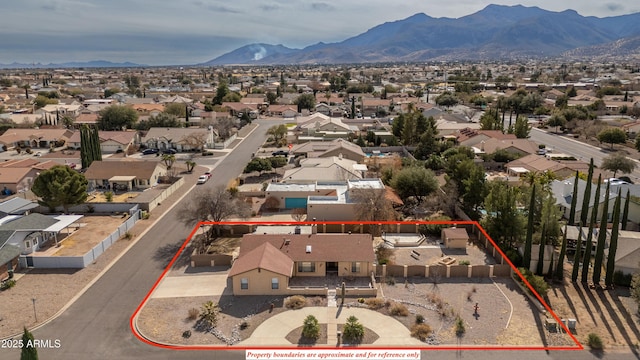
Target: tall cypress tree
pixel 543 243
pixel 574 201
pixel 29 351
pixel 526 258
pixel 84 147
pixel 625 213
pixel 563 251
pixel 95 144
pixel 613 244
pixel 577 258
pixel 602 239
pixel 587 194
pixel 586 260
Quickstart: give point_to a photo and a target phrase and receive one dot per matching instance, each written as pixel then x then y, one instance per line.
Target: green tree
pixel 221 92
pixel 447 99
pixel 612 136
pixel 116 117
pixel 618 162
pixel 176 109
pixel 475 190
pixel 504 221
pixel 41 101
pixel 305 101
pixel 541 251
pixel 577 258
pixel 574 200
pixel 625 212
pixel 398 125
pixel 556 120
pixel 258 164
pixel 311 327
pixel 352 331
pixel 586 261
pixel 414 181
pixel 60 186
pixel 526 258
pixel 563 251
pixel 90 150
pixel 522 127
pixel 272 98
pixel 587 194
pixel 613 243
pixel 490 120
pixel 29 351
pixel 278 132
pixel 163 120
pixel 190 165
pixel 602 239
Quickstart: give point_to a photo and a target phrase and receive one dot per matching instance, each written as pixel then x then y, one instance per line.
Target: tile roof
pixel 265 256
pixel 324 247
pixel 99 170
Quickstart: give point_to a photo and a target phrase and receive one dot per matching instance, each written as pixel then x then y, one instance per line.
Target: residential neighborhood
pixel 411 195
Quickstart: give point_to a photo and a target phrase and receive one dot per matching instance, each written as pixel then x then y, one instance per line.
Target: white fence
pixel 225 144
pixel 79 262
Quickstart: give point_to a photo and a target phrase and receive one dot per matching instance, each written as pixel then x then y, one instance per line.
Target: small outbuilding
pixel 455 238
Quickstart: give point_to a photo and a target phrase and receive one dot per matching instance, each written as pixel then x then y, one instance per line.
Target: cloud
pixel 614 7
pixel 217 8
pixel 52 6
pixel 269 7
pixel 321 6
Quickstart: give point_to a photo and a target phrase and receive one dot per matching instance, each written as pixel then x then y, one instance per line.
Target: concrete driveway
pixel 192 285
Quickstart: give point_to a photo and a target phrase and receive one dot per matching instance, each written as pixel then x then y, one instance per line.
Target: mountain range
pixel 496 32
pixel 75 64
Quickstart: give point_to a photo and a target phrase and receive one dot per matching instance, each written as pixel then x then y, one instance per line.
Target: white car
pixel 615 181
pixel 203 179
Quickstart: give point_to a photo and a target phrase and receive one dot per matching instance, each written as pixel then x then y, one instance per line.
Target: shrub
pixel 594 341
pixel 209 313
pixel 295 302
pixel 619 278
pixel 537 282
pixel 419 319
pixel 352 331
pixel 28 150
pixel 311 328
pixel 460 328
pixel 193 313
pixel 464 262
pixel 398 309
pixel 361 300
pixel 8 284
pixel 375 303
pixel 108 195
pixel 434 229
pixel 383 255
pixel 244 325
pixel 421 331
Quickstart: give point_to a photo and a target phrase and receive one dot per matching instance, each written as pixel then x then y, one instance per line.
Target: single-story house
pixel 181 139
pixel 110 141
pixel 34 138
pixel 16 206
pixel 267 262
pixel 30 232
pixel 18 175
pixel 323 149
pixel 455 238
pixel 334 168
pixel 8 254
pixel 129 175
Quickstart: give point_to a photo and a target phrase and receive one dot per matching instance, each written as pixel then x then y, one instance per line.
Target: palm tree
pixel 168 160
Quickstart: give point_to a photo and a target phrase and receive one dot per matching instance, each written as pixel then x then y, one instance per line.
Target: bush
pixel 537 282
pixel 278 161
pixel 361 300
pixel 209 313
pixel 8 284
pixel 619 278
pixel 375 303
pixel 295 302
pixel 421 331
pixel 464 262
pixel 515 257
pixel 383 255
pixel 419 319
pixel 352 331
pixel 108 195
pixel 390 280
pixel 244 325
pixel 311 328
pixel 193 313
pixel 460 328
pixel 434 229
pixel 398 309
pixel 594 341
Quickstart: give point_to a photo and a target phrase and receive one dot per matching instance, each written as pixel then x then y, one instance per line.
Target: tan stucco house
pixel 127 175
pixel 268 261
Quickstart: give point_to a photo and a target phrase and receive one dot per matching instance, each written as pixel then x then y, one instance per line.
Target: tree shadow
pixel 578 287
pixel 166 253
pixel 572 307
pixel 613 314
pixel 594 301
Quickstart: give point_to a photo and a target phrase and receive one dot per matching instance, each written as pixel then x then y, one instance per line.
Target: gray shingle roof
pixel 30 222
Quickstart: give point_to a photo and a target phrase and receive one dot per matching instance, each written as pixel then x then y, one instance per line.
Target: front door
pixel 332 267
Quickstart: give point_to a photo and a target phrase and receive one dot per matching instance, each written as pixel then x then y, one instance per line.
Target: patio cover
pixel 63 222
pixel 519 170
pixel 121 178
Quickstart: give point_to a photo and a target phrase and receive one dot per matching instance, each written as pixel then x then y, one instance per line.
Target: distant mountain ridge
pixel 497 32
pixel 75 64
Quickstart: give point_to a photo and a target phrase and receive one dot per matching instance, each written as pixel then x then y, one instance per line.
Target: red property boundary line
pixel 133 327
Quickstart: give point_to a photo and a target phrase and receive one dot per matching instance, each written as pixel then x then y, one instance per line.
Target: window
pixel 274 283
pixel 306 266
pixel 244 283
pixel 355 267
pixel 27 244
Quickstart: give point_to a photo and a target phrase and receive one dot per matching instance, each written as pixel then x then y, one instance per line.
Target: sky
pixel 183 32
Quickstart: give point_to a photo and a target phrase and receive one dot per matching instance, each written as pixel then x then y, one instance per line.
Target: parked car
pixel 203 179
pixel 150 151
pixel 169 151
pixel 616 181
pixel 208 174
pixel 280 153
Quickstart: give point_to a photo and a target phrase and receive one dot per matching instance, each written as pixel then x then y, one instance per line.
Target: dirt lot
pixel 97 228
pixel 611 314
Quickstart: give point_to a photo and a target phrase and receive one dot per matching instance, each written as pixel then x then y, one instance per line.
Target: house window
pixel 274 283
pixel 27 244
pixel 355 267
pixel 306 266
pixel 244 283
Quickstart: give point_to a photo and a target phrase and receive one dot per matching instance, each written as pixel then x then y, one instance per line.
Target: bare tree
pixel 212 205
pixel 299 214
pixel 223 127
pixel 196 140
pixel 372 205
